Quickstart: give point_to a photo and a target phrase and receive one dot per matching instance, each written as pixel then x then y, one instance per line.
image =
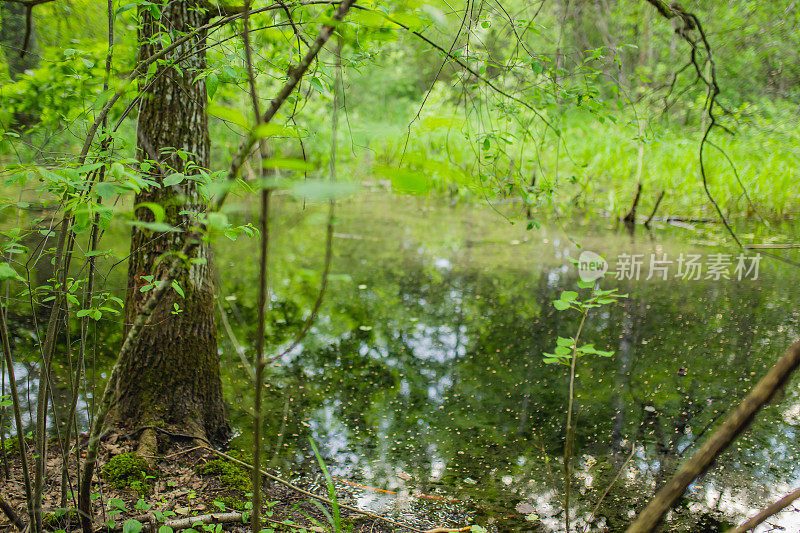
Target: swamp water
pixel 422 380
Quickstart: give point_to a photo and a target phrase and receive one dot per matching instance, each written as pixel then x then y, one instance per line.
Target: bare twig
pixel 608 488
pixel 655 208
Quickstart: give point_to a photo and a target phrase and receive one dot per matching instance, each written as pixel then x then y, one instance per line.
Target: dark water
pixel 423 373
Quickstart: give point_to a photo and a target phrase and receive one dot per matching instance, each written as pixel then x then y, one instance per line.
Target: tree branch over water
pixel 735 423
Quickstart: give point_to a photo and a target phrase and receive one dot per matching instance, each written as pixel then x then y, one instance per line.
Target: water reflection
pixel 423 375
pixel 428 364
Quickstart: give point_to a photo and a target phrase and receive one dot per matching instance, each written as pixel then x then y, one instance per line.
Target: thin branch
pixel 608 488
pixel 11 514
pixel 735 423
pixel 772 509
pixel 12 383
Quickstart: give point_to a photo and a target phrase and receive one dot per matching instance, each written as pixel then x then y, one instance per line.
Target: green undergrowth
pixel 59 519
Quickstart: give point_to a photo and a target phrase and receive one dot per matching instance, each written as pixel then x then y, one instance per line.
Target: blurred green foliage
pixel 557 104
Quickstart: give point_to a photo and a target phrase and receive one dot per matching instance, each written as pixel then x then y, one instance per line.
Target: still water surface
pixel 424 374
pixel 423 384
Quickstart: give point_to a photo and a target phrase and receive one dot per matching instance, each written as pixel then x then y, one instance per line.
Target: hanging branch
pixel 687 24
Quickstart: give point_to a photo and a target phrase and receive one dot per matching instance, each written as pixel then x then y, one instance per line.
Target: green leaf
pixel 229 114
pixel 132 526
pixel 155 226
pixel 267 129
pixel 585 284
pixel 174 179
pixel 563 341
pixel 562 351
pixel 105 190
pixel 117 170
pixel 178 289
pixel 164 529
pixel 569 296
pixel 298 165
pixel 212 82
pixel 156 209
pixel 561 305
pixel 217 221
pixel 8 272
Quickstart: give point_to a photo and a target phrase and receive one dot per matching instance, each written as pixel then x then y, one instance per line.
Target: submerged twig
pixel 772 509
pixel 735 423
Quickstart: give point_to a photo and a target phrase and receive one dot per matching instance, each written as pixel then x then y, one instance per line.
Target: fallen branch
pixel 775 508
pixel 213 518
pixel 771 246
pixel 734 424
pixel 11 513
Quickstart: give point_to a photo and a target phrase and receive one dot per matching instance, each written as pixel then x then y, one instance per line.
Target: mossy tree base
pixel 171 377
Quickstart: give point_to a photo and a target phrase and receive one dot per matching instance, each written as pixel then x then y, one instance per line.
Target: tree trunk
pixel 20 51
pixel 12 39
pixel 172 377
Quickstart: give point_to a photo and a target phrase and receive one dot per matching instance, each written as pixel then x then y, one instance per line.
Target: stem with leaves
pixel 567 352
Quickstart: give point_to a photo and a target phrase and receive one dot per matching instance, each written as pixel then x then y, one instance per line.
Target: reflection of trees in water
pixel 434 369
pixel 429 367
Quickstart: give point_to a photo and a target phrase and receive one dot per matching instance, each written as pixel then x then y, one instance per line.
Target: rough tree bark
pixel 172 376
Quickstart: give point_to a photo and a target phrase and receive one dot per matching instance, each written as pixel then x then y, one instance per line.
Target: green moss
pixel 232 475
pixel 128 471
pixel 59 519
pixel 233 502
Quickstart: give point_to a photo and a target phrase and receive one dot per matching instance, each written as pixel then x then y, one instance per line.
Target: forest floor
pixel 187 487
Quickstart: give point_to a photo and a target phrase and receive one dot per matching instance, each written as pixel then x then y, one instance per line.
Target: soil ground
pixel 184 481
